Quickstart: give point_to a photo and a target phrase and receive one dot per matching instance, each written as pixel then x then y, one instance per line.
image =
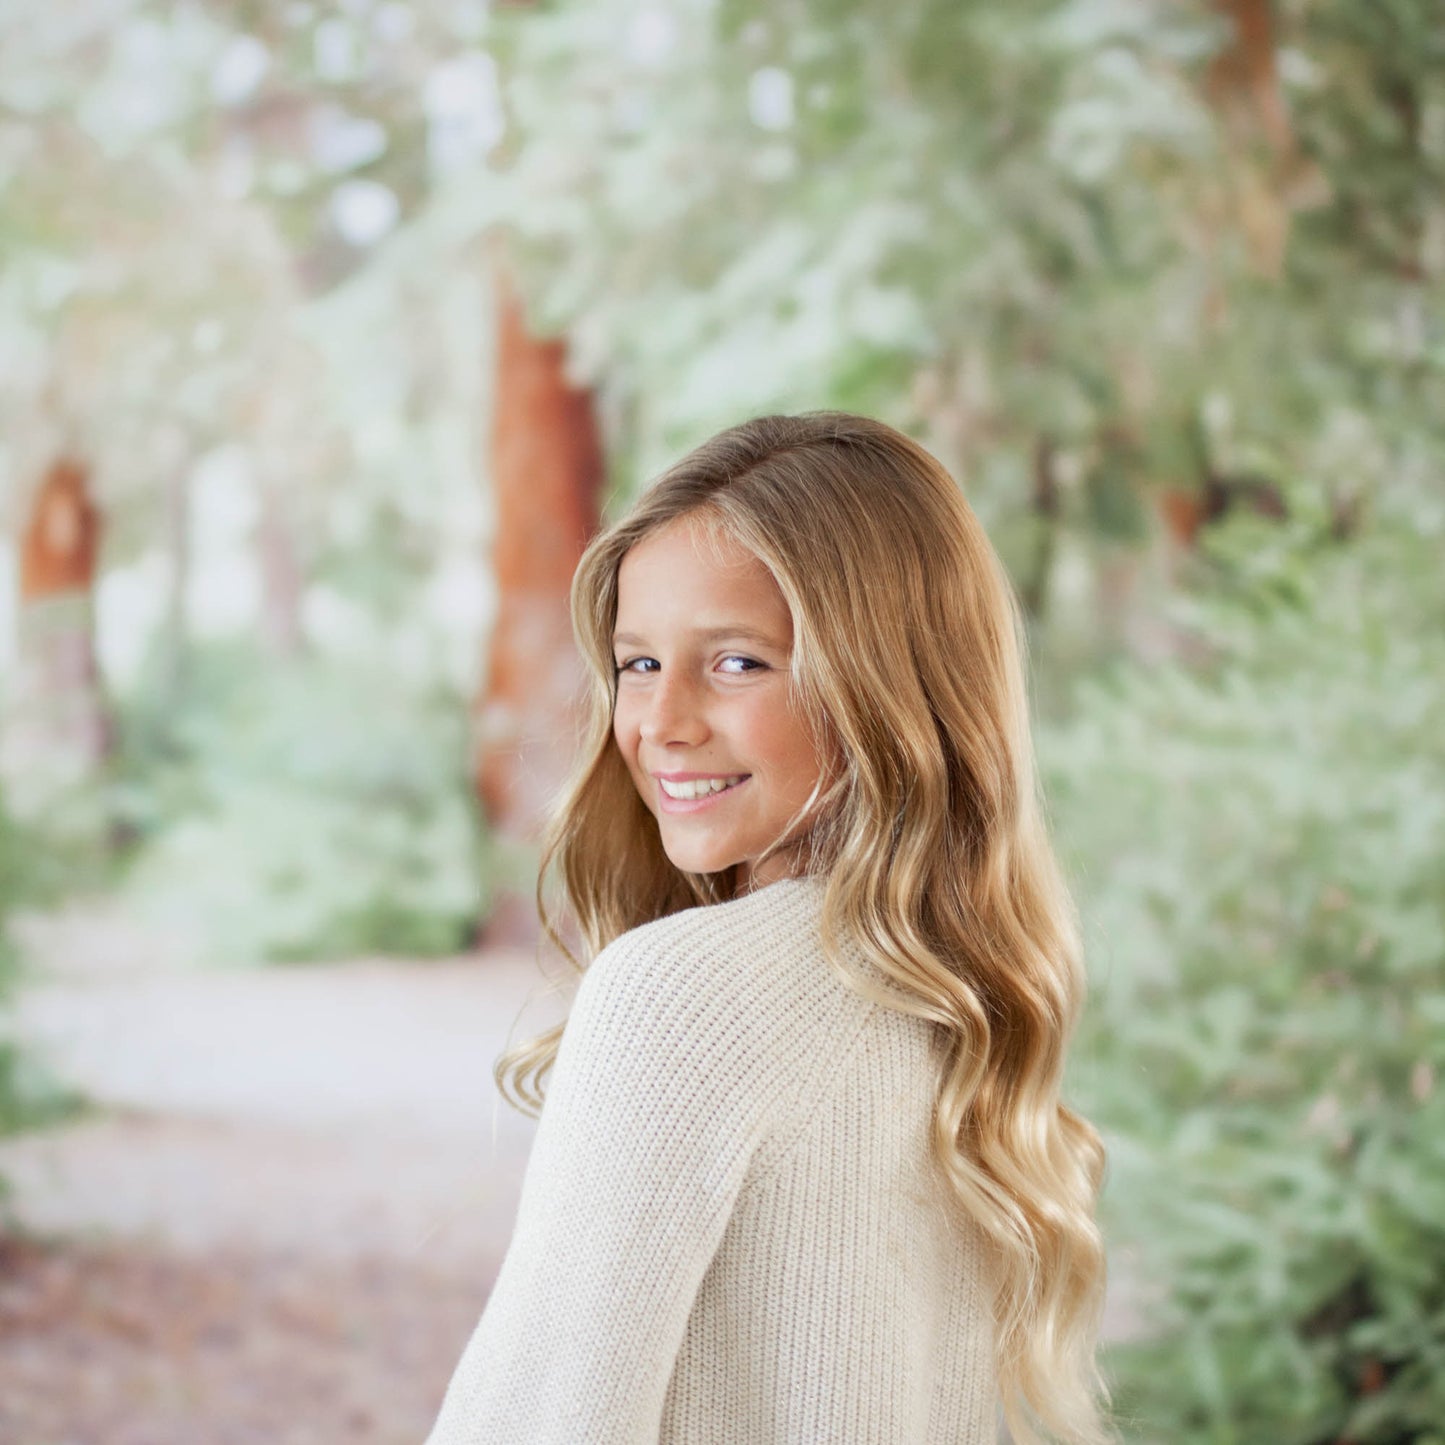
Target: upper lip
pixel 693 777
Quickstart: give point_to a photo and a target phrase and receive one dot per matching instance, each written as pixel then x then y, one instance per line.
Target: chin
pixel 688 862
pixel 696 865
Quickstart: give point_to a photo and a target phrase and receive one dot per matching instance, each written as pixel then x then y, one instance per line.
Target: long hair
pixel 908 666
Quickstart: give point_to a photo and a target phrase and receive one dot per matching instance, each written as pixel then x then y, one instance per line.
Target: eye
pixel 735 664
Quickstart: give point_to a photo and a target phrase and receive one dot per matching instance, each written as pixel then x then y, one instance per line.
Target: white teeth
pixel 699 787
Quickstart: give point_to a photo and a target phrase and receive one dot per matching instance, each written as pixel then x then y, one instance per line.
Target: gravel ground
pixel 127 1345
pixel 281 1217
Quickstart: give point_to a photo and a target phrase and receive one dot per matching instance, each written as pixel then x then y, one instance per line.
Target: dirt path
pixel 282 1217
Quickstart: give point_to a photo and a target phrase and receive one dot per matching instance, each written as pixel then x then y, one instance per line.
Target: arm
pixel 655 1105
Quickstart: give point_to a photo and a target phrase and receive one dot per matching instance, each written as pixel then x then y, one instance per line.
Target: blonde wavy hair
pixel 908 665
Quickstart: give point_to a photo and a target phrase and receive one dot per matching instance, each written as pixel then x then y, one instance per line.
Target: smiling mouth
pixel 700 787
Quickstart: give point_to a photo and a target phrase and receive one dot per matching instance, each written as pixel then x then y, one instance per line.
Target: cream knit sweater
pixel 730 1231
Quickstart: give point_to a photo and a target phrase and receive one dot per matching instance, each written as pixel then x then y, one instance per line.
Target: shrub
pixel 1259 845
pixel 28 1095
pixel 311 811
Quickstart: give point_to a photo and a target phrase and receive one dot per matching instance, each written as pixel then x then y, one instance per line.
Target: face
pixel 703 718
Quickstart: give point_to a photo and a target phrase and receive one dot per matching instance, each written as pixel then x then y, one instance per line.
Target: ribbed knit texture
pixel 730 1231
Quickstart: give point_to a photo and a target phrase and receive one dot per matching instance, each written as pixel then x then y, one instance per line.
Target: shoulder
pixel 750 971
pixel 720 947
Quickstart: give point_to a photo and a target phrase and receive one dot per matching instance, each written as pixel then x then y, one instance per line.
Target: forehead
pixel 691 569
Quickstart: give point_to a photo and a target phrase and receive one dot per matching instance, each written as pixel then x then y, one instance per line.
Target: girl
pixel 803 1174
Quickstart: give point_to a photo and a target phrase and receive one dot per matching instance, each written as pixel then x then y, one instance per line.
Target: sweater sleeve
pixel 658 1098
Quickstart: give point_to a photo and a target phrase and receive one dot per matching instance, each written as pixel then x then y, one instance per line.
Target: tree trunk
pixel 547 470
pixel 1245 75
pixel 1246 92
pixel 1045 509
pixel 60 730
pixel 177 631
pixel 281 580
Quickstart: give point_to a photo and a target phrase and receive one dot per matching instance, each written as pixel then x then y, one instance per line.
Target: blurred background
pixel 328 332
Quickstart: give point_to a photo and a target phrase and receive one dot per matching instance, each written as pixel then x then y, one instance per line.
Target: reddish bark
pixel 1244 86
pixel 1182 513
pixel 546 458
pixel 1244 78
pixel 59 726
pixel 62 538
pixel 1266 184
pixel 547 469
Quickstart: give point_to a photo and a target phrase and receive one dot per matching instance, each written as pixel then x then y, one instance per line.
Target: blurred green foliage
pixel 310 810
pixel 1260 843
pixel 29 1095
pixel 1039 229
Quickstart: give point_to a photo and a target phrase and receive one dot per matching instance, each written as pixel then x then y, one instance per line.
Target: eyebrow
pixel 706 634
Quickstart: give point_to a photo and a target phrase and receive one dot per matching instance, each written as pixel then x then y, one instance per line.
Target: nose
pixel 674 712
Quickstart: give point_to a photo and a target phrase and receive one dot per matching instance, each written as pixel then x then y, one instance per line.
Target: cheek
pixel 625 738
pixel 808 766
pixel 789 749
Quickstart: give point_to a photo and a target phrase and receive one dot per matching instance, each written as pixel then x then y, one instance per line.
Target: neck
pixel 783 864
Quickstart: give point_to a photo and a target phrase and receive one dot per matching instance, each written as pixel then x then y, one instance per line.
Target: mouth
pixel 688 795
